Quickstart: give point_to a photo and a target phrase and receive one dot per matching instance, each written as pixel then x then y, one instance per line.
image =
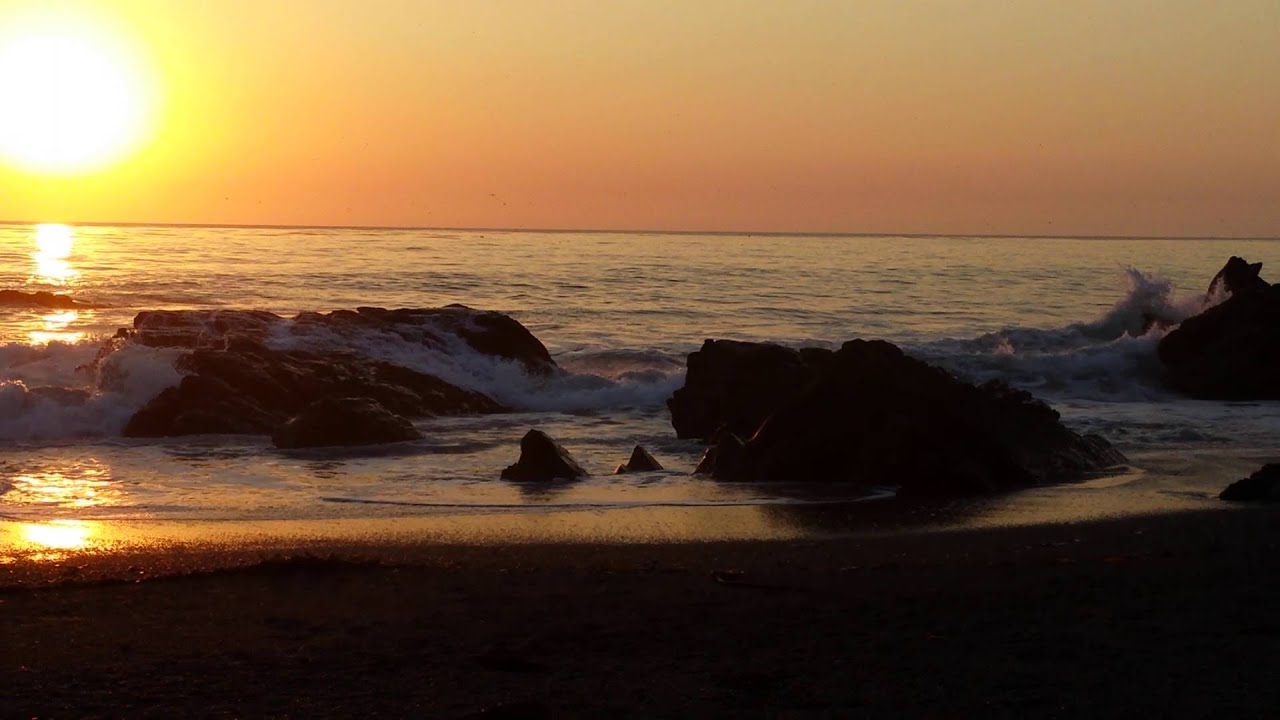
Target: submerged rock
pixel 541 458
pixel 871 414
pixel 1231 351
pixel 640 461
pixel 247 372
pixel 40 299
pixel 1262 486
pixel 343 422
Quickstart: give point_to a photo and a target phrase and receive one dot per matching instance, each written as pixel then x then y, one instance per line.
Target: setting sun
pixel 77 100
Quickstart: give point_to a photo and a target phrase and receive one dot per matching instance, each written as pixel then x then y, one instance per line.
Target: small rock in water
pixel 1262 486
pixel 343 421
pixel 641 461
pixel 541 458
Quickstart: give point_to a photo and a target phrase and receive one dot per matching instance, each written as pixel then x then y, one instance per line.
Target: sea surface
pixel 1060 317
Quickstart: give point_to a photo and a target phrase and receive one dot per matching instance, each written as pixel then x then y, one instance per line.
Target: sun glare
pixel 75 98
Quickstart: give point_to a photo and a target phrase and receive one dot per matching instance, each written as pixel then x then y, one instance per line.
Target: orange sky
pixel 1082 117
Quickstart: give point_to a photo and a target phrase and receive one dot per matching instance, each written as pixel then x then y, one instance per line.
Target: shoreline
pixel 1171 612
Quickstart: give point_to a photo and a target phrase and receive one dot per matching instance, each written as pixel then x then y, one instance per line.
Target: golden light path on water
pixel 83 485
pixel 54 244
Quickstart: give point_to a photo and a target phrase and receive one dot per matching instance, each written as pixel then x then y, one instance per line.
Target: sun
pixel 76 99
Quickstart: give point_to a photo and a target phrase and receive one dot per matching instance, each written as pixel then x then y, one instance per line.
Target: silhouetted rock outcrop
pixel 1232 350
pixel 640 461
pixel 1238 276
pixel 1262 486
pixel 869 413
pixel 41 299
pixel 250 371
pixel 541 458
pixel 343 421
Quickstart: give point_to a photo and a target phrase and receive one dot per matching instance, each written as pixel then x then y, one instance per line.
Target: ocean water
pixel 1062 318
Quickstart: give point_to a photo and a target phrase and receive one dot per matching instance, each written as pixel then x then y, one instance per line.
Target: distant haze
pixel 1106 117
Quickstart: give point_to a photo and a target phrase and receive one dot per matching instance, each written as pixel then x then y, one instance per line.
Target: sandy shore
pixel 1172 614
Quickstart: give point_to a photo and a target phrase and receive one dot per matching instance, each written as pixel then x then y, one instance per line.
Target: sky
pixel 1088 117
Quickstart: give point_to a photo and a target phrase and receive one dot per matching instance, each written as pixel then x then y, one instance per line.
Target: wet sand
pixel 1171 614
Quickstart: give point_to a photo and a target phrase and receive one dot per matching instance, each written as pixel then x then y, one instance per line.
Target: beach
pixel 1165 614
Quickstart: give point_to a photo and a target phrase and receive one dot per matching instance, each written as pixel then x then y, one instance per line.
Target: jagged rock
pixel 723 458
pixel 1231 351
pixel 640 461
pixel 343 421
pixel 541 458
pixel 41 299
pixel 1236 277
pixel 1262 486
pixel 869 413
pixel 247 372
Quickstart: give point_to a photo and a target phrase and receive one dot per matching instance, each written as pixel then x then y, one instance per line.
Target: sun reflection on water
pixel 58 534
pixel 54 243
pixel 47 542
pixel 83 485
pixel 54 328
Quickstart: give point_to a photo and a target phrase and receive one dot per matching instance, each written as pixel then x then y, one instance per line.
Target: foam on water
pixel 1112 357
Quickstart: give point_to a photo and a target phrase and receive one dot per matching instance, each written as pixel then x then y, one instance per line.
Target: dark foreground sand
pixel 1176 615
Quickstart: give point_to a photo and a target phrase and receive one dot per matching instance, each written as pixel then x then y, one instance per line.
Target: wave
pixel 1110 358
pixel 588 380
pixel 58 391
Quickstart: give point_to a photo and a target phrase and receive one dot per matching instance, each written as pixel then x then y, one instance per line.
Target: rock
pixel 869 413
pixel 723 458
pixel 486 332
pixel 640 461
pixel 1231 351
pixel 1262 486
pixel 41 299
pixel 1236 277
pixel 248 372
pixel 343 422
pixel 541 458
pixel 736 385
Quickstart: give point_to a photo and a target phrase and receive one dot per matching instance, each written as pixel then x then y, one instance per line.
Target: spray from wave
pixel 1111 358
pixel 59 391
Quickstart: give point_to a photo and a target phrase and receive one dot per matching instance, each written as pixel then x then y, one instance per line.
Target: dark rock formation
pixel 1232 350
pixel 486 332
pixel 735 385
pixel 1236 277
pixel 640 461
pixel 1262 486
pixel 42 300
pixel 247 372
pixel 333 422
pixel 541 458
pixel 869 413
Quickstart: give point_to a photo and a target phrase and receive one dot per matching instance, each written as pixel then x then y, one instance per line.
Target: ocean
pixel 1060 317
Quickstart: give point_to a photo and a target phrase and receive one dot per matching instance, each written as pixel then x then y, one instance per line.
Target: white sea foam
pixel 1112 357
pixel 57 391
pixel 587 380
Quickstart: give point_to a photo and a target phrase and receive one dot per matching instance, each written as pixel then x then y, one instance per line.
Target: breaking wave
pixel 1112 357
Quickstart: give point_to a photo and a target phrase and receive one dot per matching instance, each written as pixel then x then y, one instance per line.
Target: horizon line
pixel 607 231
